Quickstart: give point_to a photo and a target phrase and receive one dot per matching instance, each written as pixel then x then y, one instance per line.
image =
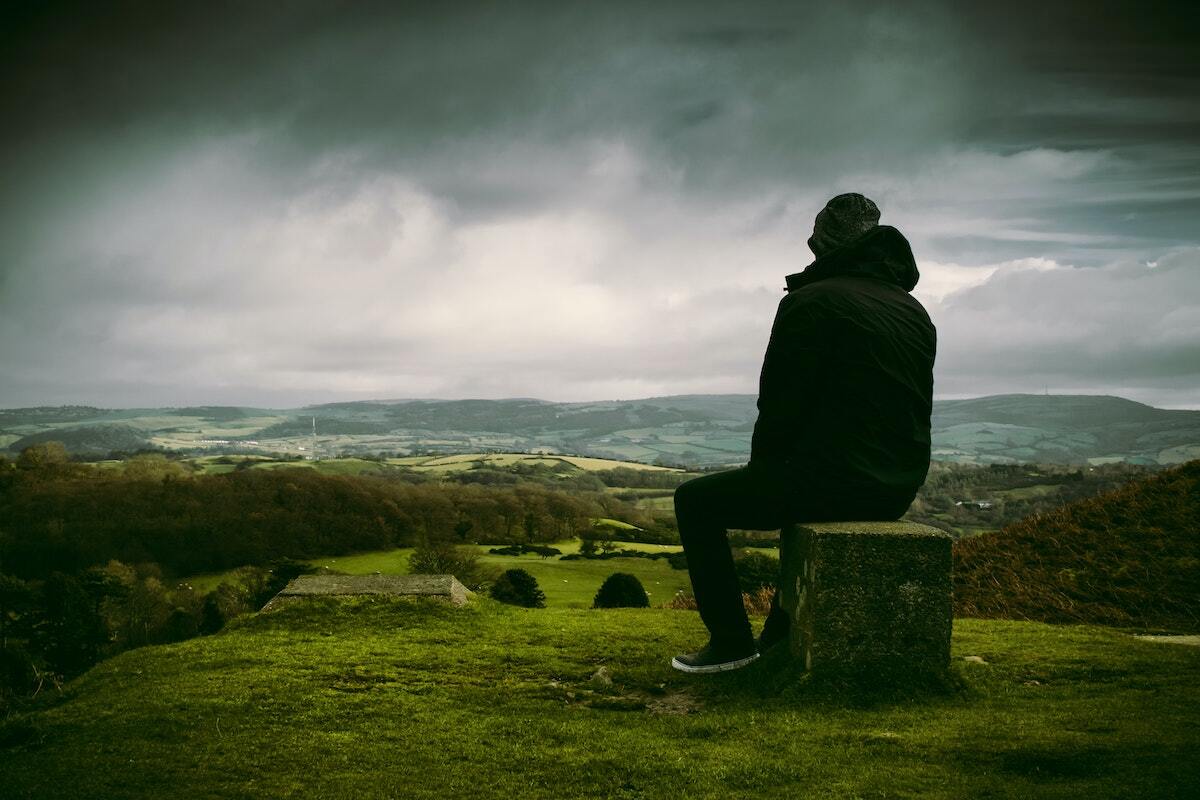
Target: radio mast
pixel 314 439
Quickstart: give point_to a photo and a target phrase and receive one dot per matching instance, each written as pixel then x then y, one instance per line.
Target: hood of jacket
pixel 882 253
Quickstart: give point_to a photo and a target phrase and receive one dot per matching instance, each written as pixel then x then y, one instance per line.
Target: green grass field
pixel 391 698
pixel 456 463
pixel 567 584
pixel 433 464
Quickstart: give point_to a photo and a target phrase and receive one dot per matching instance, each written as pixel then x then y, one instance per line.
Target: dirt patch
pixel 674 704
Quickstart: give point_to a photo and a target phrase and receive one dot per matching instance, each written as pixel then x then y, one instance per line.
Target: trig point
pixel 445 587
pixel 868 596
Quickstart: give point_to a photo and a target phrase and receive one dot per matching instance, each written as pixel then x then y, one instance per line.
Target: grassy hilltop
pixel 1126 557
pixel 373 697
pixel 395 697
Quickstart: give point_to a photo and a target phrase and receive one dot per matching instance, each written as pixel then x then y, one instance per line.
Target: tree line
pixel 61 516
pixel 91 556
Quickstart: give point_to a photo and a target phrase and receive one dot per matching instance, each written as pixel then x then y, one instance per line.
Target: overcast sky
pixel 278 203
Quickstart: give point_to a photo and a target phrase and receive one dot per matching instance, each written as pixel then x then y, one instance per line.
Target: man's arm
pixel 790 385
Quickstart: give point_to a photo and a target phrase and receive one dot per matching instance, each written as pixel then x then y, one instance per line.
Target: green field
pixel 387 698
pixel 567 584
pixel 455 463
pixel 429 464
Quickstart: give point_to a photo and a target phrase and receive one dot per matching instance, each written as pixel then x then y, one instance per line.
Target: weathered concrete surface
pixel 445 587
pixel 868 596
pixel 1187 638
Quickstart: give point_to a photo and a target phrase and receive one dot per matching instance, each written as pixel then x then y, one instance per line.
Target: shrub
pixel 18 676
pixel 621 590
pixel 518 588
pixel 212 617
pixel 756 571
pixel 446 559
pixel 757 604
pixel 682 601
pixel 522 549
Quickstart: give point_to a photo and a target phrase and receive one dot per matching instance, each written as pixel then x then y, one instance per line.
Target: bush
pixel 757 604
pixel 521 549
pixel 518 588
pixel 756 571
pixel 621 590
pixel 446 559
pixel 212 617
pixel 18 676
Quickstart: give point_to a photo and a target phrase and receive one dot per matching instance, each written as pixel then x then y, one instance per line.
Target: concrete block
pixel 445 587
pixel 868 596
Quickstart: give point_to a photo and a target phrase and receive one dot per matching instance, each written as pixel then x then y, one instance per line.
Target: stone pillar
pixel 867 597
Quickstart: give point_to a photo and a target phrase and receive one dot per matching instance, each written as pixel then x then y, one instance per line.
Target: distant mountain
pixel 91 440
pixel 1127 557
pixel 1064 429
pixel 691 430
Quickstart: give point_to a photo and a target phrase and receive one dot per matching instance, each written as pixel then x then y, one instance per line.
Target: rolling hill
pixel 1126 557
pixel 688 430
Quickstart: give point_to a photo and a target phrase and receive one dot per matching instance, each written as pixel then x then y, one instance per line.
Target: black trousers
pixel 751 498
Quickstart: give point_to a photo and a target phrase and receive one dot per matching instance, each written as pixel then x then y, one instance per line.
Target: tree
pixel 756 571
pixel 137 614
pixel 621 590
pixel 16 599
pixel 46 461
pixel 44 457
pixel 439 558
pixel 70 632
pixel 152 467
pixel 587 546
pixel 517 587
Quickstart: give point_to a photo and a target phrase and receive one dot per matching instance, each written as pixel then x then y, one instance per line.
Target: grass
pixel 605 522
pixel 464 461
pixel 380 697
pixel 1027 492
pixel 567 584
pixel 347 465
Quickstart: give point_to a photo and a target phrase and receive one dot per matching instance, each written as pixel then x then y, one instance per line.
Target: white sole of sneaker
pixel 722 667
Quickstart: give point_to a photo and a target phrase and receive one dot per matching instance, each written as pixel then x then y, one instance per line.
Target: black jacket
pixel 846 390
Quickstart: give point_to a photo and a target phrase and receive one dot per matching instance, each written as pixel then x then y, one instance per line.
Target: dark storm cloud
pixel 230 201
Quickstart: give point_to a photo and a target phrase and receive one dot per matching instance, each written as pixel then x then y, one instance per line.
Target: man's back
pixel 846 390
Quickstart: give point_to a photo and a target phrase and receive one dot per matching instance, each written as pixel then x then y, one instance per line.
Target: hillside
pixel 1062 429
pixel 688 430
pixel 382 698
pixel 91 440
pixel 1127 557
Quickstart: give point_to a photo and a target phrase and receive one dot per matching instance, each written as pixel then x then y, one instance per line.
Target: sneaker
pixel 712 659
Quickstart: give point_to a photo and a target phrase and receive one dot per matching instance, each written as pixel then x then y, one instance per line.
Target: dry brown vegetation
pixel 1129 557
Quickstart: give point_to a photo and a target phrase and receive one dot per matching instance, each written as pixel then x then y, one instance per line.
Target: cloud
pixel 575 201
pixel 938 280
pixel 1127 328
pixel 337 286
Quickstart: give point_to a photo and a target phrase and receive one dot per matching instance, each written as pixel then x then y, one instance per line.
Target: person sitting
pixel 843 429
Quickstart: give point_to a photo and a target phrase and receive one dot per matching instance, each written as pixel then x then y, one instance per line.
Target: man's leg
pixel 705 507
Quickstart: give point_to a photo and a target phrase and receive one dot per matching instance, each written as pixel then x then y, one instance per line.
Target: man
pixel 844 405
